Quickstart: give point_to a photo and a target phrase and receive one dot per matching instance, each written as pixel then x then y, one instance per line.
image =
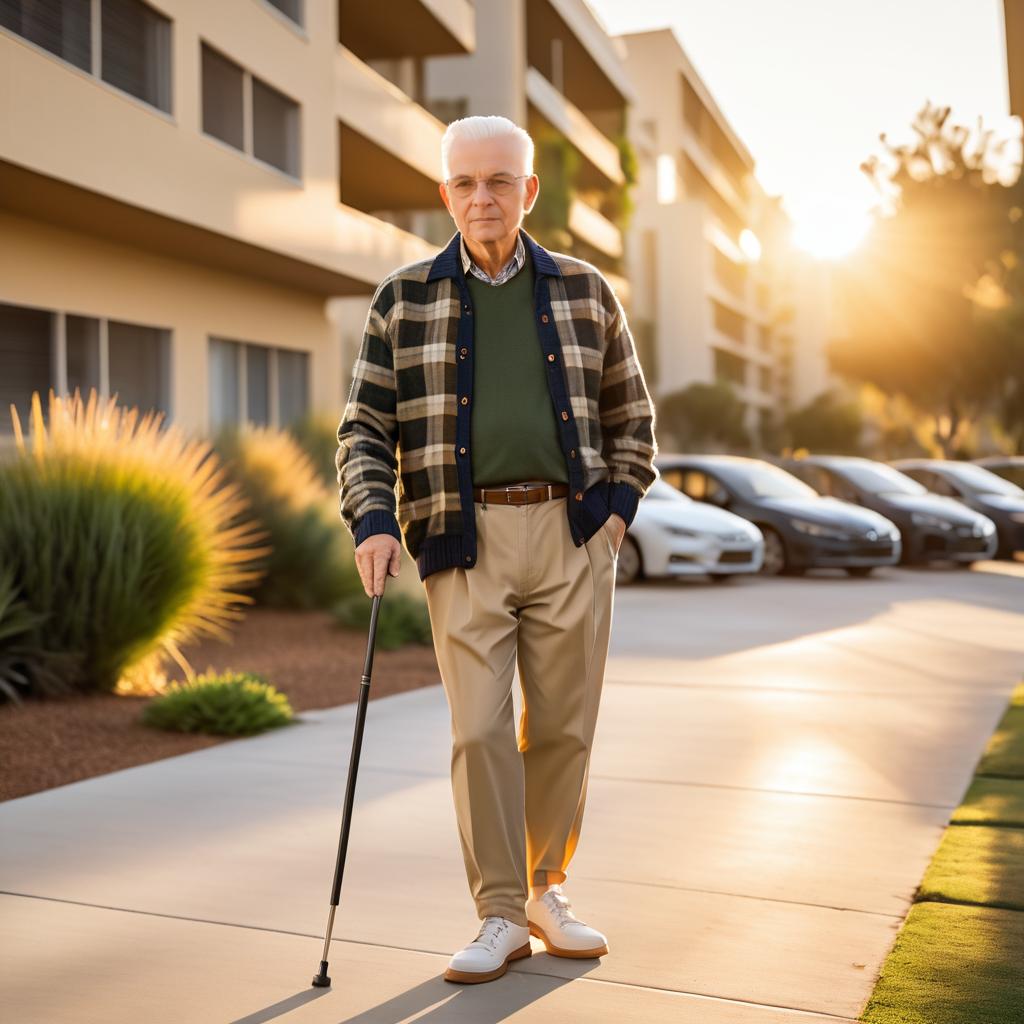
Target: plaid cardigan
pixel 406 424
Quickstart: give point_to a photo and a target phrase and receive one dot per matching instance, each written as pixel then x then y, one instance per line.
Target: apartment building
pixel 718 293
pixel 198 199
pixel 551 66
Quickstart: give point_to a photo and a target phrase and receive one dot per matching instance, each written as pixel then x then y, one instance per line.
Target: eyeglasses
pixel 499 185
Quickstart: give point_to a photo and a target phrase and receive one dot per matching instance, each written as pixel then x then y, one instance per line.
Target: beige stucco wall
pixel 55 269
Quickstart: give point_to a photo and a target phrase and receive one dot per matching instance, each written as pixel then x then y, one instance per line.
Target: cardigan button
pixel 551 359
pixel 544 318
pixel 572 452
pixel 469 558
pixel 463 350
pixel 565 415
pixel 462 451
pixel 579 495
pixel 465 400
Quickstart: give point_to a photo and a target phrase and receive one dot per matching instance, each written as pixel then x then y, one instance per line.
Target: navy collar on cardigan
pixel 448 262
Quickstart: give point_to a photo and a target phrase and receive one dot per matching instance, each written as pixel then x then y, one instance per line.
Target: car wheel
pixel 859 570
pixel 629 566
pixel 774 552
pixel 720 577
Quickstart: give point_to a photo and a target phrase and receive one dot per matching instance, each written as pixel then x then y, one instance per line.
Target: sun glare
pixel 830 231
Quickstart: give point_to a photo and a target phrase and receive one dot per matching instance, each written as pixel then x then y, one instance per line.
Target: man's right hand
pixel 377 557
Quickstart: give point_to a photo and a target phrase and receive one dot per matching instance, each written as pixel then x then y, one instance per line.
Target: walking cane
pixel 321 980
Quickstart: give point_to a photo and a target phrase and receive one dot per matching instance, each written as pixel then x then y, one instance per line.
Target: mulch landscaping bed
pixel 50 743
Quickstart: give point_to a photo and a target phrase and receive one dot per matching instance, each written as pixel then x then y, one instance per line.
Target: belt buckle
pixel 520 489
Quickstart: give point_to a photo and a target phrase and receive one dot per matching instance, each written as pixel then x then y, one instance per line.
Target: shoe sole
pixel 472 977
pixel 577 954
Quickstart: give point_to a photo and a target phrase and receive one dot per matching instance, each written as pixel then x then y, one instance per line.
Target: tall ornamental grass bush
pixel 317 435
pixel 310 564
pixel 119 540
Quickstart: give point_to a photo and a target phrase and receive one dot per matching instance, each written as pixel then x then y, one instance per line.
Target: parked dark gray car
pixel 1010 467
pixel 802 530
pixel 978 488
pixel 933 527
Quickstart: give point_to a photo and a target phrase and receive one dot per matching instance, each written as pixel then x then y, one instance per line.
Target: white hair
pixel 481 126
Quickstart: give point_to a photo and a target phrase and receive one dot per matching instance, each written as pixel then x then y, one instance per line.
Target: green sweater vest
pixel 514 431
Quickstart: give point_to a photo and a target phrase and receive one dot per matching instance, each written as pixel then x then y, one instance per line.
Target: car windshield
pixel 878 478
pixel 662 491
pixel 979 479
pixel 766 481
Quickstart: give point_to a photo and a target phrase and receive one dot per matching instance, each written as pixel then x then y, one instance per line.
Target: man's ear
pixel 533 201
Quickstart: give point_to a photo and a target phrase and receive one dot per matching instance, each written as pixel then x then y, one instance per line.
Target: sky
pixel 808 85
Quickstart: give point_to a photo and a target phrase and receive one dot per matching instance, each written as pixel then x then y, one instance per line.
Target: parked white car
pixel 673 535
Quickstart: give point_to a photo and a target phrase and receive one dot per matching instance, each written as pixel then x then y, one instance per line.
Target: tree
pixel 918 293
pixel 704 414
pixel 826 424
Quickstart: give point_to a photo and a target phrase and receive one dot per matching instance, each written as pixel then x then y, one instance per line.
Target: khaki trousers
pixel 519 795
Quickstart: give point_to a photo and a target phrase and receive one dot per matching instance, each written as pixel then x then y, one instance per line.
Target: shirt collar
pixel 510 269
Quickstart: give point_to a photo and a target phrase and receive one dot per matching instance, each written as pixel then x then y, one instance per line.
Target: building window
pixel 729 367
pixel 40 349
pixel 134 45
pixel 729 322
pixel 223 84
pixel 248 114
pixel 137 365
pixel 293 385
pixel 447 108
pixel 26 361
pixel 732 275
pixel 60 26
pixel 257 384
pixel 275 128
pixel 291 9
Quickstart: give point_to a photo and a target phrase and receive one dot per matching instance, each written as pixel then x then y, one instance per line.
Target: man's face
pixel 482 216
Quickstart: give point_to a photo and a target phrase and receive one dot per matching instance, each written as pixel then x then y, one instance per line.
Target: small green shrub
pixel 402 618
pixel 229 704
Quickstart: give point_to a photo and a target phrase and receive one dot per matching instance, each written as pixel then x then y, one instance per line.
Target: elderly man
pixel 498 387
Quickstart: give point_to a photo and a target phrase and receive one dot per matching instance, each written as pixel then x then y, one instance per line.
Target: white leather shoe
pixel 487 956
pixel 554 923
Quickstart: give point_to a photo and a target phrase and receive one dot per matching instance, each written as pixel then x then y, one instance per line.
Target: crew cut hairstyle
pixel 483 126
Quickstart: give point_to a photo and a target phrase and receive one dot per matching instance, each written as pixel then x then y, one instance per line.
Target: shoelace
pixel 559 906
pixel 492 928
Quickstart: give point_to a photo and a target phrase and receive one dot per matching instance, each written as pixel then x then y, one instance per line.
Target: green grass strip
pixel 959 956
pixel 952 964
pixel 1004 754
pixel 977 864
pixel 992 802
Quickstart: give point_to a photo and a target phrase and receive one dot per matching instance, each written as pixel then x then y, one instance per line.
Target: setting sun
pixel 829 230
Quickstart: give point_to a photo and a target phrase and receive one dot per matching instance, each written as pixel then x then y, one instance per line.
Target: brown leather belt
pixel 519 494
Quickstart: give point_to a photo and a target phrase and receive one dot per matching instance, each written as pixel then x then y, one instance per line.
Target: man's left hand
pixel 620 528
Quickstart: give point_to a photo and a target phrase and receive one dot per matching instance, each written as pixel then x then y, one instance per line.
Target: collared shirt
pixel 510 269
pixel 404 459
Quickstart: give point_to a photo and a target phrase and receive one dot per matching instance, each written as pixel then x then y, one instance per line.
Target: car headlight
pixel 927 519
pixel 817 530
pixel 984 528
pixel 680 531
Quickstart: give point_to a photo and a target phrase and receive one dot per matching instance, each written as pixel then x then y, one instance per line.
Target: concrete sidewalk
pixel 774 765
